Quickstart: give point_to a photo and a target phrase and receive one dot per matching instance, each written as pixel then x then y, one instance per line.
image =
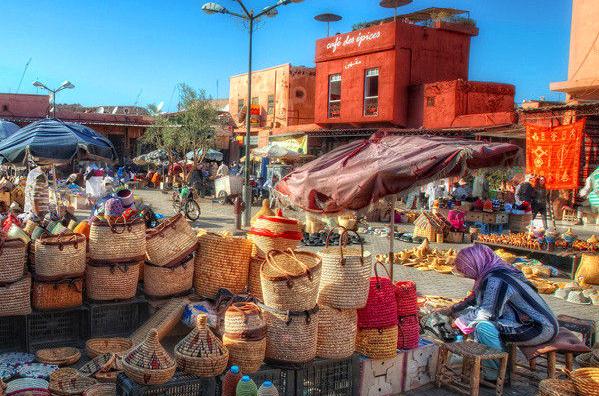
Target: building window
pixel 271 105
pixel 240 104
pixel 4 107
pixel 334 95
pixel 255 100
pixel 371 92
pixel 430 101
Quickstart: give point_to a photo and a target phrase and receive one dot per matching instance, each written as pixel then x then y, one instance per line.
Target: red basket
pixel 381 307
pixel 408 332
pixel 407 300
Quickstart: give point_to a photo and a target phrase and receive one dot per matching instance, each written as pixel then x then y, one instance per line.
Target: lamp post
pixel 250 16
pixel 65 85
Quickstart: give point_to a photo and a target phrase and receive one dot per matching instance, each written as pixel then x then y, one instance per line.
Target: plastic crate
pixel 282 379
pixel 65 327
pixel 116 319
pixel 12 336
pixel 328 377
pixel 180 385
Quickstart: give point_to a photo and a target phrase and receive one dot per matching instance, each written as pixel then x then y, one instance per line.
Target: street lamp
pixel 249 16
pixel 65 85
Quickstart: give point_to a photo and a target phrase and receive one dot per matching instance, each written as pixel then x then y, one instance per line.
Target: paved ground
pixel 216 217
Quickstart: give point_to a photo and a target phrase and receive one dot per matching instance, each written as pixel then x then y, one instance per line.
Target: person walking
pixel 539 203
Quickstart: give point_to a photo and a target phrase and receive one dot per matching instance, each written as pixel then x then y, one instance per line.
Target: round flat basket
pixel 107 377
pixel 62 356
pixel 64 373
pixel 99 363
pixel 27 386
pixel 71 386
pixel 100 390
pixel 99 346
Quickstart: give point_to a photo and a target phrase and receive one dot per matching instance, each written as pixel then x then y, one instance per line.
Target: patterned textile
pixel 476 262
pixel 555 154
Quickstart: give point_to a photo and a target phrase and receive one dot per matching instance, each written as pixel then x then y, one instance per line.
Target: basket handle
pixel 124 268
pixel 376 273
pixel 271 261
pixel 120 221
pixel 70 238
pixel 72 283
pixel 343 242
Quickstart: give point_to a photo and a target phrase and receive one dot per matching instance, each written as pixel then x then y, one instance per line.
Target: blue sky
pixel 111 50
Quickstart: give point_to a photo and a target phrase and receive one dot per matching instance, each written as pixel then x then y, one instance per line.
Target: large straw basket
pixel 245 336
pixel 60 256
pixel 117 241
pixel 71 386
pixel 381 306
pixel 274 232
pixel 171 241
pixel 556 387
pixel 290 280
pixel 201 353
pixel 345 275
pixel 291 336
pixel 221 262
pixel 254 282
pixel 377 343
pixel 148 363
pixel 15 298
pixel 111 281
pixel 586 381
pixel 13 257
pixel 336 332
pixel 57 294
pixel 170 280
pixel 99 346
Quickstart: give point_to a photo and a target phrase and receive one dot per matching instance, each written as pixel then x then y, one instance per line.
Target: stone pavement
pixel 216 217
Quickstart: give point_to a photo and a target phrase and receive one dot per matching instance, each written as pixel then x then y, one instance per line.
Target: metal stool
pixel 468 381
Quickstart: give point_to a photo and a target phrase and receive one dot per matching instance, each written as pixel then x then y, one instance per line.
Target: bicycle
pixel 184 201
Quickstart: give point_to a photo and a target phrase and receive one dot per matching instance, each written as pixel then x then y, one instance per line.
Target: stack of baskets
pixel 377 321
pixel 343 289
pixel 168 270
pixel 407 311
pixel 59 267
pixel 117 250
pixel 15 282
pixel 245 336
pixel 290 282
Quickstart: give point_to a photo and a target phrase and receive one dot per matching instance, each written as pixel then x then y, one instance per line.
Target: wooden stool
pixel 468 381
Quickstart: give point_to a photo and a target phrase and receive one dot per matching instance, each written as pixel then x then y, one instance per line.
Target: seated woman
pixel 503 305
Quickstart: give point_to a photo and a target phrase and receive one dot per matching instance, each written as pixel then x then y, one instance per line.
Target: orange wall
pixel 584 56
pixel 21 105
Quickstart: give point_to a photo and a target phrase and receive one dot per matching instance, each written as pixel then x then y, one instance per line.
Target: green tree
pixel 163 134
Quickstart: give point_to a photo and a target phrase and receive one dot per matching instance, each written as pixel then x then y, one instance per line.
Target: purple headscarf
pixel 476 262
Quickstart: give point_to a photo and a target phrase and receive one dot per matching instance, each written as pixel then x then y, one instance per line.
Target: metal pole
pixel 247 191
pixel 53 104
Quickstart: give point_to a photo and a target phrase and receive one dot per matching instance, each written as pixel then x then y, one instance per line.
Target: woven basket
pixel 62 356
pixel 274 232
pixel 100 390
pixel 586 380
pixel 291 336
pixel 345 277
pixel 254 282
pixel 377 343
pixel 57 294
pixel 64 373
pixel 110 281
pixel 337 330
pixel 100 363
pixel 221 262
pixel 118 241
pixel 201 353
pixel 13 257
pixel 408 334
pixel 406 297
pixel 71 386
pixel 99 346
pixel 148 363
pixel 381 307
pixel 170 280
pixel 15 298
pixel 556 387
pixel 25 387
pixel 290 280
pixel 107 376
pixel 245 336
pixel 60 256
pixel 171 241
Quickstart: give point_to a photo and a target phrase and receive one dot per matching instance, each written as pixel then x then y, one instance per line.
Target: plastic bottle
pixel 230 381
pixel 246 387
pixel 459 338
pixel 268 389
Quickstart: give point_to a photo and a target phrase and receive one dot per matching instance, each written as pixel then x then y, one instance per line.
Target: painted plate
pixel 16 358
pixel 36 370
pixel 6 372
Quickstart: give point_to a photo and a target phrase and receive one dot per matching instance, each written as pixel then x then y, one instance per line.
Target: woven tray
pixel 63 356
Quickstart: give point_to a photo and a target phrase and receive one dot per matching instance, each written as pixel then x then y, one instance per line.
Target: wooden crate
pixel 519 222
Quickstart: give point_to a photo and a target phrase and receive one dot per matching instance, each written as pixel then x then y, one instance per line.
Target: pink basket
pixel 407 299
pixel 408 332
pixel 381 307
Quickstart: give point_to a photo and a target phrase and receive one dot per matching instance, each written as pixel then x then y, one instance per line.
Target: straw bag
pixel 111 281
pixel 171 280
pixel 245 336
pixel 60 256
pixel 588 269
pixel 221 262
pixel 556 387
pixel 337 330
pixel 381 306
pixel 15 298
pixel 406 297
pixel 274 232
pixel 377 343
pixel 290 280
pixel 201 353
pixel 13 257
pixel 56 294
pixel 345 275
pixel 171 241
pixel 117 241
pixel 148 363
pixel 408 331
pixel 254 282
pixel 586 380
pixel 291 336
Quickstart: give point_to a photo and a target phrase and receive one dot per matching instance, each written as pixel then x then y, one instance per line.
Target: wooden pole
pixel 392 237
